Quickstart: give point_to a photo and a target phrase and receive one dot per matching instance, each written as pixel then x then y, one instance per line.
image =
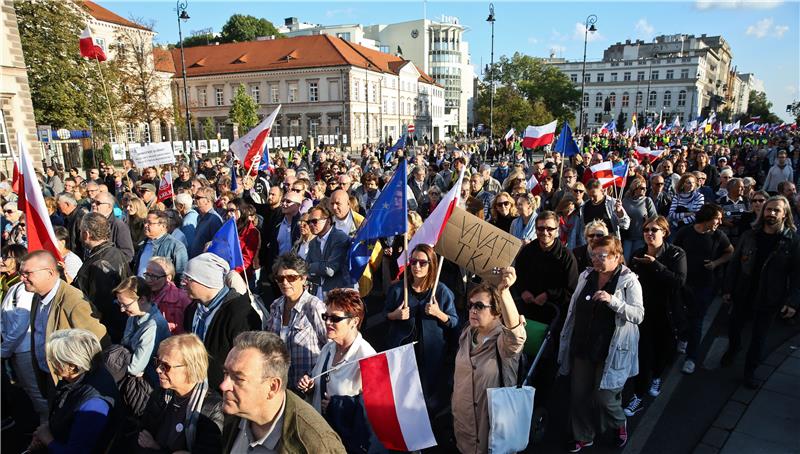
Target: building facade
pixel 437 47
pixel 331 90
pixel 681 76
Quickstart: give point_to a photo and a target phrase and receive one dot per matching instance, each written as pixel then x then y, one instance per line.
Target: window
pixel 640 75
pixel 625 99
pixel 612 99
pixel 600 77
pixel 667 99
pixel 598 100
pixel 145 133
pixel 598 117
pixel 586 100
pixel 651 99
pixel 613 77
pixel 682 98
pixel 573 78
pixel 201 97
pixel 274 94
pixel 615 63
pixel 312 127
pixel 670 74
pixel 374 92
pixel 628 63
pixel 294 127
pixel 356 90
pixel 587 77
pixel 255 93
pixel 219 96
pixel 654 75
pixel 313 93
pixel 684 74
pixel 130 131
pixel 626 76
pixel 638 98
pixel 344 35
pixel 292 92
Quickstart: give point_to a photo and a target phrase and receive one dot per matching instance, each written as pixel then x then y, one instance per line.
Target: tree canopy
pixel 241 27
pixel 244 110
pixel 758 105
pixel 200 40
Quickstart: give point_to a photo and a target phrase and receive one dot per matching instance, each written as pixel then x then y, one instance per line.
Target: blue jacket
pixel 189 226
pixel 166 246
pixel 328 267
pixel 207 226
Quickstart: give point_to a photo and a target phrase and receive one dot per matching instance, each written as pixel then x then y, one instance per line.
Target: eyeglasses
pixel 287 278
pixel 296 190
pixel 314 221
pixel 27 274
pixel 152 277
pixel 287 202
pixel 152 223
pixel 422 263
pixel 652 230
pixel 335 318
pixel 97 204
pixel 595 235
pixel 477 307
pixel 158 364
pixel 579 191
pixel 9 211
pixel 758 200
pixel 544 228
pixel 599 255
pixel 504 203
pixel 199 197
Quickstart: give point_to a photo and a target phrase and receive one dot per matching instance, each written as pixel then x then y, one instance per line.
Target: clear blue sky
pixel 764 35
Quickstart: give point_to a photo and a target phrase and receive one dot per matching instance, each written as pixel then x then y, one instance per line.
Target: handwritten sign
pixel 154 154
pixel 476 245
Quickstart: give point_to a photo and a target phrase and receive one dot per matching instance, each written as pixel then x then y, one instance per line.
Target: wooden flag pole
pixel 405 272
pixel 438 275
pixel 108 101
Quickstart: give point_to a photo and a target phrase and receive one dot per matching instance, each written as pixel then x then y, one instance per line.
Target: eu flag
pixel 401 143
pixel 388 217
pixel 226 244
pixel 566 144
pixel 234 183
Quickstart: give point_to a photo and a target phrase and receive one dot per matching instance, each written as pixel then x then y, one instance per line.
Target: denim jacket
pixel 166 246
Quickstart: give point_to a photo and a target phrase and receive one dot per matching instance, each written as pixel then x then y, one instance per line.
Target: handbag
pixel 510 413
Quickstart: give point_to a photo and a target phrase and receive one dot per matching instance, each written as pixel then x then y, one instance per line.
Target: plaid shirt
pixel 306 335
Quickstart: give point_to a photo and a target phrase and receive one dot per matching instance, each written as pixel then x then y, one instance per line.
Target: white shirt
pixel 345 381
pixel 268 444
pixel 41 327
pixel 346 225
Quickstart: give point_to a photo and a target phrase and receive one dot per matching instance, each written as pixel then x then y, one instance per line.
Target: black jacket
pixel 554 271
pixel 121 236
pixel 73 225
pixel 105 268
pixel 208 434
pixel 234 316
pixel 662 282
pixel 777 283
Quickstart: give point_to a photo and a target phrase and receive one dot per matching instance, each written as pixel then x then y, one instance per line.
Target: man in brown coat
pixel 56 305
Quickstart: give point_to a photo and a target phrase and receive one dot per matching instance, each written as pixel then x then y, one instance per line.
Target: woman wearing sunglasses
pixel 493 339
pixel 504 211
pixel 249 236
pixel 593 230
pixel 661 268
pixel 297 316
pixel 337 391
pixel 426 318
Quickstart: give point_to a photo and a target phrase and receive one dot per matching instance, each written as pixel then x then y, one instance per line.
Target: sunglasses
pixel 758 201
pixel 151 276
pixel 651 230
pixel 158 364
pixel 478 306
pixel 419 262
pixel 601 256
pixel 504 204
pixel 335 318
pixel 595 235
pixel 287 278
pixel 544 228
pixel 314 221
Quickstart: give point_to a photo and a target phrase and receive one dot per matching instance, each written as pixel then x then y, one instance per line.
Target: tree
pixel 140 86
pixel 203 39
pixel 66 89
pixel 511 109
pixel 242 27
pixel 209 129
pixel 622 118
pixel 244 110
pixel 758 105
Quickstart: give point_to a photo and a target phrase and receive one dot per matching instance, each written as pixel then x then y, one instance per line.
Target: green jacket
pixel 304 430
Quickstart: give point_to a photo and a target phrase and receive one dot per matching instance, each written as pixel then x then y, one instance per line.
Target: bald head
pixel 38 272
pixel 340 204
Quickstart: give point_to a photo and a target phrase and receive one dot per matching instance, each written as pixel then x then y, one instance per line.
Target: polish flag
pixel 249 149
pixel 509 134
pixel 604 173
pixel 393 399
pixel 15 178
pixel 431 230
pixel 534 185
pixel 89 48
pixel 642 153
pixel 31 202
pixel 165 190
pixel 539 136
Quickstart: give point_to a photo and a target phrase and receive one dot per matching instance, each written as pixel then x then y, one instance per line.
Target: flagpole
pixel 108 101
pixel 438 274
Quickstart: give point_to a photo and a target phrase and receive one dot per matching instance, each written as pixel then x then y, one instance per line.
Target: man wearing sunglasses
pixel 327 253
pixel 104 203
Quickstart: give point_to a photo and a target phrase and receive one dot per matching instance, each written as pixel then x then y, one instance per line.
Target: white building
pixel 744 84
pixel 675 75
pixel 331 90
pixel 437 47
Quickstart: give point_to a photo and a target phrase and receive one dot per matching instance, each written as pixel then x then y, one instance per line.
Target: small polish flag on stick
pixel 31 202
pixel 534 185
pixel 393 399
pixel 249 148
pixel 642 153
pixel 539 136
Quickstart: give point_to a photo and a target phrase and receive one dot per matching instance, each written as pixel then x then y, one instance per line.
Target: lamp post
pixel 183 15
pixel 366 93
pixel 491 75
pixel 590 21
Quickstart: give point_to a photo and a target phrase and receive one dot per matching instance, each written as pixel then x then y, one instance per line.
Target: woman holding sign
pixel 424 318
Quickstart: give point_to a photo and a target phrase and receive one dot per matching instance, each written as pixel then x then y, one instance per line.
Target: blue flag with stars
pixel 388 217
pixel 401 143
pixel 566 144
pixel 226 244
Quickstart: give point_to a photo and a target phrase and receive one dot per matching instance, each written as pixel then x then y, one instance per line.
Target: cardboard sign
pixel 118 151
pixel 202 146
pixel 213 146
pixel 476 245
pixel 178 147
pixel 154 154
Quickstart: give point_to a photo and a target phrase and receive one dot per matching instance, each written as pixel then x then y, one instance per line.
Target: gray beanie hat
pixel 207 269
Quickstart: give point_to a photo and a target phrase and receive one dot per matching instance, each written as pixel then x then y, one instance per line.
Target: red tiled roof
pixel 102 14
pixel 162 60
pixel 315 51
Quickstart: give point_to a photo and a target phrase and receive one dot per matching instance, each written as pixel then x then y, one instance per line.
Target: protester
pixel 170 300
pixel 686 202
pixel 159 243
pixel 524 226
pixel 208 221
pixel 327 253
pixel 249 237
pixel 72 263
pixel 503 211
pixel 135 215
pixel 639 208
pixel 104 204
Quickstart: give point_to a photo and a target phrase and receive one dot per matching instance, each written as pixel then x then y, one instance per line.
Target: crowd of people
pixel 135 338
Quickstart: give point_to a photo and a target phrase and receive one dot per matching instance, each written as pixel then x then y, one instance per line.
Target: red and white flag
pixel 249 148
pixel 165 190
pixel 431 230
pixel 31 202
pixel 89 48
pixel 393 399
pixel 539 136
pixel 534 185
pixel 642 153
pixel 604 173
pixel 15 175
pixel 509 135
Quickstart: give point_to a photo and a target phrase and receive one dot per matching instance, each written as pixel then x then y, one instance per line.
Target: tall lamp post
pixel 590 21
pixel 491 75
pixel 183 16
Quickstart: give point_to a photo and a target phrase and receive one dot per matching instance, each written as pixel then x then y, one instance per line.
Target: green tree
pixel 244 110
pixel 759 105
pixel 511 109
pixel 199 40
pixel 209 128
pixel 66 89
pixel 241 27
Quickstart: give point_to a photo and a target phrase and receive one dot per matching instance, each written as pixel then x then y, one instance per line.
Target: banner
pixel 202 146
pixel 154 154
pixel 178 147
pixel 284 142
pixel 118 151
pixel 213 146
pixel 476 245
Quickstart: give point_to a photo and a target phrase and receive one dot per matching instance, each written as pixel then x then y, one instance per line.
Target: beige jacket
pixel 475 372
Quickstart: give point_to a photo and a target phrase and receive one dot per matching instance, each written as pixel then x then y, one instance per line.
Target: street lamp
pixel 590 21
pixel 491 75
pixel 183 16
